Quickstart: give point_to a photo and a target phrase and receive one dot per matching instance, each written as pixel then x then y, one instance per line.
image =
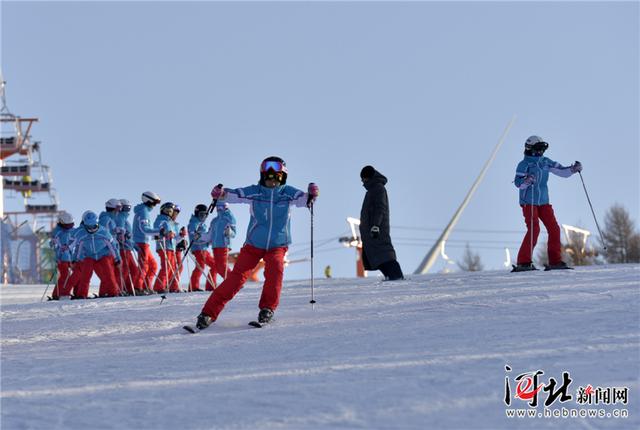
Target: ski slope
pixel 428 352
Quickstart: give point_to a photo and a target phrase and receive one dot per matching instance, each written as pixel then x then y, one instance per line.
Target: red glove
pixel 313 191
pixel 217 192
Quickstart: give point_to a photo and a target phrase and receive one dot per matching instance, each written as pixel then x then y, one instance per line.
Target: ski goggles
pixel 538 146
pixel 91 228
pixel 276 166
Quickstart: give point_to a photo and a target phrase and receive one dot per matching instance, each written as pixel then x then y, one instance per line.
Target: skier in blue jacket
pixel 142 229
pixel 108 220
pixel 165 247
pixel 124 233
pixel 96 248
pixel 62 239
pixel 531 179
pixel 268 237
pixel 200 240
pixel 222 229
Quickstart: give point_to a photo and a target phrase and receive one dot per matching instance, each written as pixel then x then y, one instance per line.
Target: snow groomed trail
pixel 428 352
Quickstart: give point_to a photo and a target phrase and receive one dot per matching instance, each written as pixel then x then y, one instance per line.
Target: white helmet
pixel 113 204
pixel 150 197
pixel 126 205
pixel 532 140
pixel 65 218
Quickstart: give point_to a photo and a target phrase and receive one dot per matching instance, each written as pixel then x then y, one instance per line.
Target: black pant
pixel 391 270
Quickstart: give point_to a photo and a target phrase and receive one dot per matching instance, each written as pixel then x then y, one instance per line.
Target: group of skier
pixel 107 246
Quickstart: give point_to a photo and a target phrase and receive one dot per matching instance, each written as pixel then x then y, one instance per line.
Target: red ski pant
pixel 104 269
pixel 80 289
pixel 203 260
pixel 167 269
pixel 62 287
pixel 532 215
pixel 147 266
pixel 130 271
pixel 248 259
pixel 175 285
pixel 220 255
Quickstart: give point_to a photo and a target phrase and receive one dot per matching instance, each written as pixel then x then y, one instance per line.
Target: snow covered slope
pixel 429 352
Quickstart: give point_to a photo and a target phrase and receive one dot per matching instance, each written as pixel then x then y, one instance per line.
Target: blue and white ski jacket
pixel 108 221
pixel 94 245
pixel 219 225
pixel 164 222
pixel 142 224
pixel 537 194
pixel 123 227
pixel 62 242
pixel 270 223
pixel 197 226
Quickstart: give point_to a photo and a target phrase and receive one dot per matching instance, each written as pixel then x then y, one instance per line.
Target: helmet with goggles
pixel 535 146
pixel 273 168
pixel 90 221
pixel 167 208
pixel 126 205
pixel 201 212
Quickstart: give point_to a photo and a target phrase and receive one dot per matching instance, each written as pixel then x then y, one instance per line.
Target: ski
pixel 523 268
pixel 559 267
pixel 191 329
pixel 256 324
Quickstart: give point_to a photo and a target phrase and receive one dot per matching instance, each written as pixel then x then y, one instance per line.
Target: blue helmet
pixel 90 221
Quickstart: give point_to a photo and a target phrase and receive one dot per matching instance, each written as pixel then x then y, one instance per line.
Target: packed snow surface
pixel 428 352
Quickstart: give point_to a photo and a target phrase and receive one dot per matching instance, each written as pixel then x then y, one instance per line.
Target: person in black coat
pixel 377 249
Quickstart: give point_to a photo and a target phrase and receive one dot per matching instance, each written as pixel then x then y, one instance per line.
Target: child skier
pixel 199 237
pixel 107 219
pixel 268 237
pixel 96 248
pixel 141 231
pixel 61 242
pixel 531 179
pixel 181 245
pixel 165 247
pixel 222 229
pixel 130 270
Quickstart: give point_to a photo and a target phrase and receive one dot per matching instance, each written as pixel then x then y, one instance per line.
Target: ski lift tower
pixel 22 242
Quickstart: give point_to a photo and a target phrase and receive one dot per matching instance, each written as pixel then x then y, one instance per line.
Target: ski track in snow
pixel 428 352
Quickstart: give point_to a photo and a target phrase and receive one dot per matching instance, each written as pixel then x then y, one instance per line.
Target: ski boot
pixel 203 322
pixel 524 267
pixel 265 316
pixel 559 266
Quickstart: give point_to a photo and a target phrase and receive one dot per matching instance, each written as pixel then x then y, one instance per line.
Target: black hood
pixel 377 178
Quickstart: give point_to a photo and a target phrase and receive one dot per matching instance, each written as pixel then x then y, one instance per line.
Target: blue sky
pixel 176 97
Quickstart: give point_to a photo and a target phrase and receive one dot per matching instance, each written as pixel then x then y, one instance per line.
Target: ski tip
pixel 255 324
pixel 190 329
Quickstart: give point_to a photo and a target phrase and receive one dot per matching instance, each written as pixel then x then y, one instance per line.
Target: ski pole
pixel 127 268
pixel 53 273
pixel 210 209
pixel 533 194
pixel 202 269
pixel 163 248
pixel 186 257
pixel 212 206
pixel 604 245
pixel 312 301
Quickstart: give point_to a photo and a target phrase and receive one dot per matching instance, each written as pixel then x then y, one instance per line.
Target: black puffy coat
pixel 375 211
